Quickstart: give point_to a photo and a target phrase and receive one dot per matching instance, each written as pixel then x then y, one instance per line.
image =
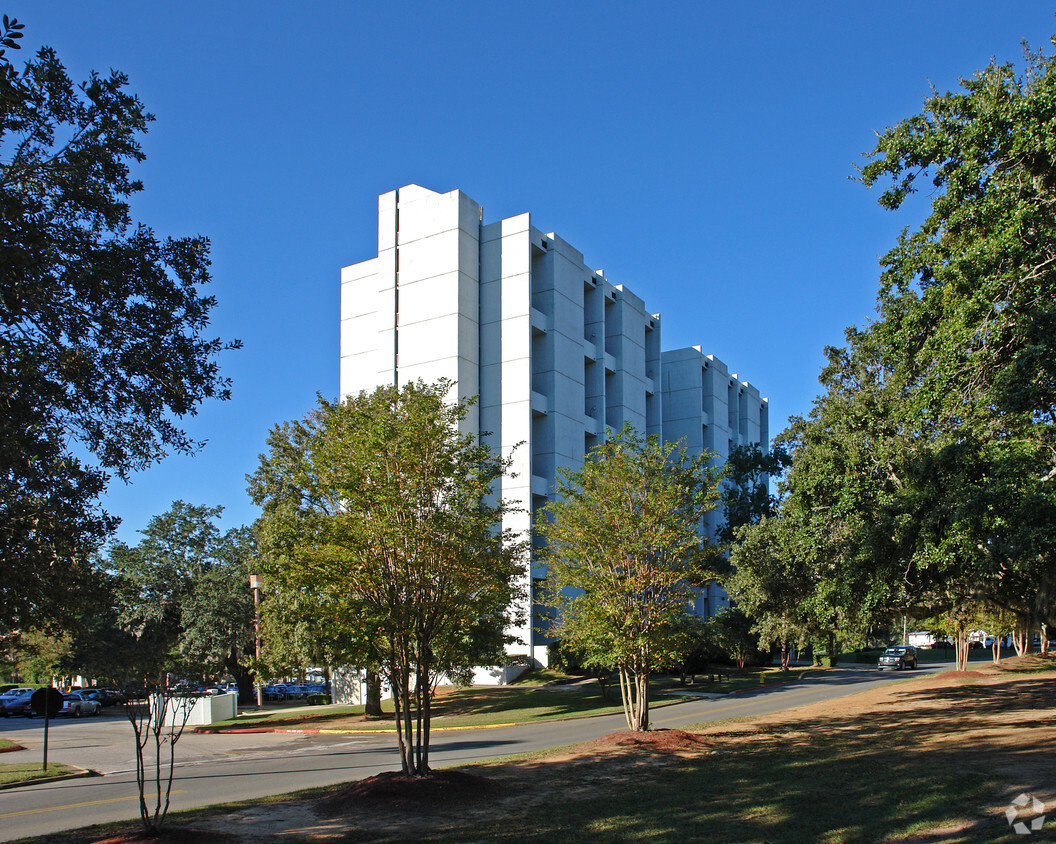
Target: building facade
pixel 555 353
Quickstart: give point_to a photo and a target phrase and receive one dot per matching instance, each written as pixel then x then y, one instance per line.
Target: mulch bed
pixel 397 789
pixel 655 741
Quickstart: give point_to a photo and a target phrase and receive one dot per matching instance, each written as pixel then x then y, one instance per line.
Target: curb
pixel 11 749
pixel 78 773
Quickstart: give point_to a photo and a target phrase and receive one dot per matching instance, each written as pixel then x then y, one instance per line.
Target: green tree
pixel 379 504
pixel 732 632
pixel 183 593
pixel 745 495
pixel 41 656
pixel 923 479
pixel 771 587
pixel 101 648
pixel 968 305
pixel 101 329
pixel 217 616
pixel 625 553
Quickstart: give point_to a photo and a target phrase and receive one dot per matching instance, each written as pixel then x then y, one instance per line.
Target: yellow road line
pixel 732 706
pixel 74 806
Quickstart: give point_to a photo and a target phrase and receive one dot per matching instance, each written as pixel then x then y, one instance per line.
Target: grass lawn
pixel 518 703
pixel 27 771
pixel 475 706
pixel 8 745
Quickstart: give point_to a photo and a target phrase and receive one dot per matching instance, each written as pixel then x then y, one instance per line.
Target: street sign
pixel 46 702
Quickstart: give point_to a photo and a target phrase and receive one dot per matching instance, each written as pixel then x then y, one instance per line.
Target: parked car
pixel 110 697
pixel 16 704
pixel 10 694
pixel 898 657
pixel 76 704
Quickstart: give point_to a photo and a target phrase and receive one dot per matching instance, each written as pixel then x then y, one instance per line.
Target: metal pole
pixel 255 584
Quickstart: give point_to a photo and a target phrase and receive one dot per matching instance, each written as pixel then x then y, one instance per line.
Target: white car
pixel 76 704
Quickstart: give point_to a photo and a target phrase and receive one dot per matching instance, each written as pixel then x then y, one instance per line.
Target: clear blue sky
pixel 701 153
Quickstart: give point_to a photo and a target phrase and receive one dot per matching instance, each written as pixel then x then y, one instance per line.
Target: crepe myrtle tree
pixel 625 553
pixel 380 504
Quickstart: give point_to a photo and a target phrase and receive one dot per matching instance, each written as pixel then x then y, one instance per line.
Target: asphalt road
pixel 226 767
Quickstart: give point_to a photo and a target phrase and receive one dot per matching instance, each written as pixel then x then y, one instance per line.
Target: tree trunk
pixel 400 681
pixel 634 690
pixel 960 644
pixel 996 647
pixel 1043 639
pixel 643 702
pixel 1019 640
pixel 420 756
pixel 373 701
pixel 625 696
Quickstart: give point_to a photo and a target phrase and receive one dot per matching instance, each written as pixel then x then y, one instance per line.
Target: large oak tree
pixel 924 479
pixel 102 344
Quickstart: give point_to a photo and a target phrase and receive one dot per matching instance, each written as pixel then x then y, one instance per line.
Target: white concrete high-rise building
pixel 554 351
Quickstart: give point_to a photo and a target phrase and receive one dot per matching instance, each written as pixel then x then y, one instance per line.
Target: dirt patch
pixel 394 789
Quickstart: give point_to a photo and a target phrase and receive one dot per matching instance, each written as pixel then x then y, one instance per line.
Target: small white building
pixel 555 352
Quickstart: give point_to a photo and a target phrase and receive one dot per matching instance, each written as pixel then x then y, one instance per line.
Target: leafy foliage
pixel 624 553
pixel 745 497
pixel 183 594
pixel 382 509
pixel 101 328
pixel 923 480
pixel 731 632
pixel 771 588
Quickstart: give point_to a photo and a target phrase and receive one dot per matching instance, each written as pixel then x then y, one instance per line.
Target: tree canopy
pixel 183 595
pixel 378 506
pixel 745 496
pixel 102 344
pixel 924 479
pixel 625 553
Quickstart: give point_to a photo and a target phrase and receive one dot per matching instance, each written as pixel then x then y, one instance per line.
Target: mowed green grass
pixel 469 707
pixel 26 771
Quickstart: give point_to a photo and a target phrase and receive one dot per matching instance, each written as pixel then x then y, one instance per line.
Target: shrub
pixel 318 700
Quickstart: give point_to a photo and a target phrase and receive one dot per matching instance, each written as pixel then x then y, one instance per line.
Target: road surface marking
pixel 74 806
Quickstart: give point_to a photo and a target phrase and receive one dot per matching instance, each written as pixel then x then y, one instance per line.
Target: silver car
pixel 76 704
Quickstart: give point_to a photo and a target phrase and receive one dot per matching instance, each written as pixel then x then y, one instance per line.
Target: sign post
pixel 46 702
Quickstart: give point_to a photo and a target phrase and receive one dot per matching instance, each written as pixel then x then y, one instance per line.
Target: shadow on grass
pixel 937 762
